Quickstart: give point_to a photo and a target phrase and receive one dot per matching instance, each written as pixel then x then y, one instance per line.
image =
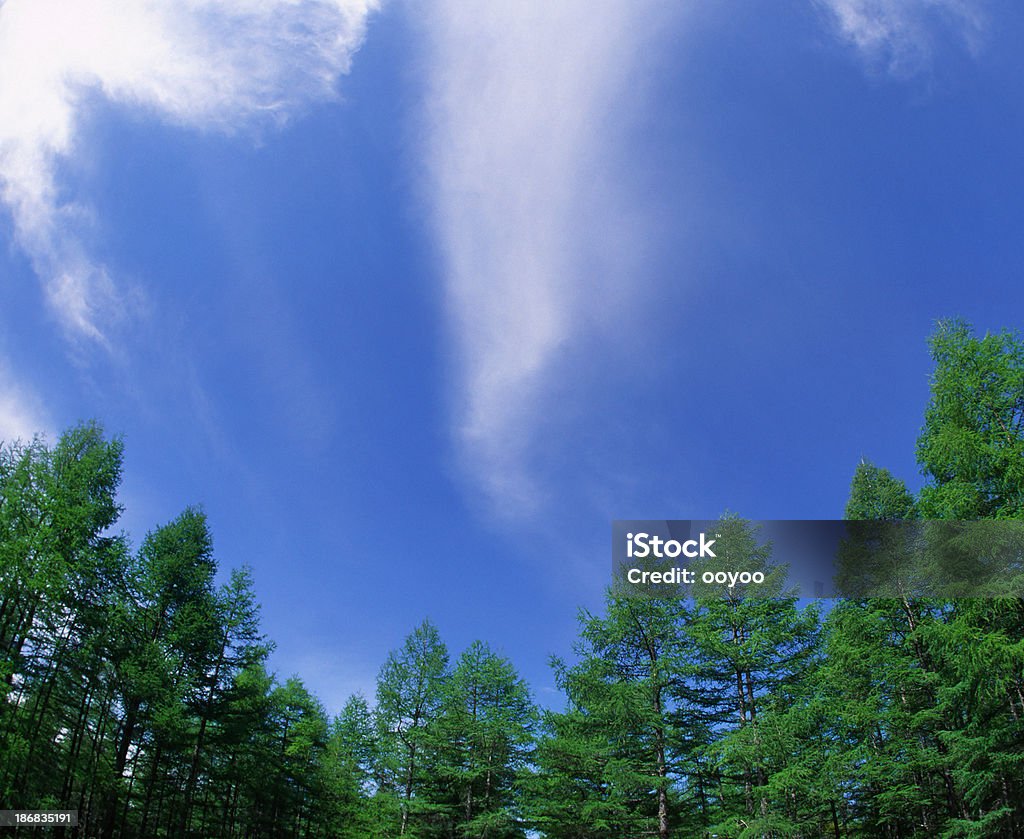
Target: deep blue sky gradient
pixel 289 370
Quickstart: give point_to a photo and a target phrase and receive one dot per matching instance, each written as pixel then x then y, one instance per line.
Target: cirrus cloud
pixel 22 415
pixel 902 34
pixel 528 186
pixel 209 65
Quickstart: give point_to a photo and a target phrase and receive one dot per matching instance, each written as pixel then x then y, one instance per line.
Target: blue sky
pixel 415 299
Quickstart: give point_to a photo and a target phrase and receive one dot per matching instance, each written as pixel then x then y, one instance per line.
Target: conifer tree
pixel 479 742
pixel 409 697
pixel 610 763
pixel 876 495
pixel 972 445
pixel 750 651
pixel 349 764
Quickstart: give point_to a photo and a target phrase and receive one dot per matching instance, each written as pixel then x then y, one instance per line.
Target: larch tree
pixel 410 692
pixel 480 741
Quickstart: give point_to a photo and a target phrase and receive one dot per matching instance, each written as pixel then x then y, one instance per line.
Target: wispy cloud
pixel 213 65
pixel 22 414
pixel 527 101
pixel 902 34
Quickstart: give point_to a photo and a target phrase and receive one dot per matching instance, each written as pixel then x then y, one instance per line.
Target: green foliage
pixel 606 766
pixel 972 444
pixel 926 697
pixel 664 733
pixel 478 743
pixel 135 689
pixel 409 698
pixel 876 495
pixel 450 741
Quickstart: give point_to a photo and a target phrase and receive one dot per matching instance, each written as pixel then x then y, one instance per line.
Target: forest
pixel 137 690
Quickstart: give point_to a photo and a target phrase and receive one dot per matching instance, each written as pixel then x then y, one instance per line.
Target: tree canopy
pixel 136 688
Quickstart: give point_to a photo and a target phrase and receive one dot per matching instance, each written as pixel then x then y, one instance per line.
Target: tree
pixel 133 690
pixel 972 444
pixel 60 572
pixel 300 726
pixel 878 496
pixel 168 633
pixel 926 693
pixel 750 653
pixel 607 766
pixel 239 644
pixel 409 697
pixel 479 742
pixel 349 766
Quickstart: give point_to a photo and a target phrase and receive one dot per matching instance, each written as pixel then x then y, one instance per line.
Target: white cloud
pixel 22 415
pixel 215 65
pixel 527 100
pixel 903 34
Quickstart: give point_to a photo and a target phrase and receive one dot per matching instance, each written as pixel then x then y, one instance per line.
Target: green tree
pixel 168 632
pixel 410 691
pixel 750 653
pixel 300 725
pixel 60 571
pixel 607 766
pixel 918 697
pixel 134 690
pixel 972 444
pixel 349 765
pixel 239 644
pixel 479 742
pixel 876 495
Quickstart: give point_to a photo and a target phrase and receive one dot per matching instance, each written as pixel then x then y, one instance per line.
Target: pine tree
pixel 479 742
pixel 60 571
pixel 168 633
pixel 972 444
pixel 749 655
pixel 410 690
pixel 878 496
pixel 350 761
pixel 609 764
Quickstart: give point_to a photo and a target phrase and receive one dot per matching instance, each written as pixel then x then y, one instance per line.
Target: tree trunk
pixel 120 761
